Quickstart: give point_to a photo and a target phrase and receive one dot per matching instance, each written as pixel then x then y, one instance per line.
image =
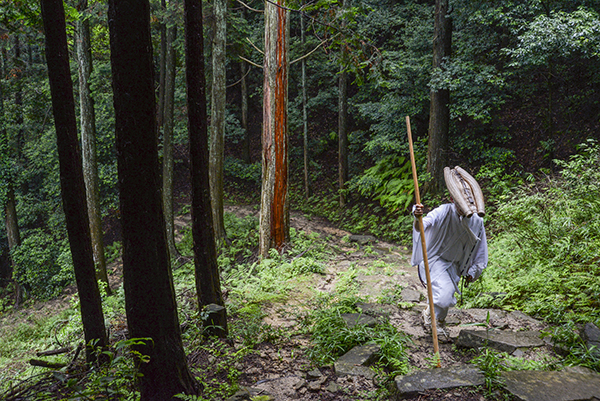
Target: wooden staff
pixel 424 247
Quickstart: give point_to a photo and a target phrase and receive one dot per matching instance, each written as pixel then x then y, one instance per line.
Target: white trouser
pixel 444 283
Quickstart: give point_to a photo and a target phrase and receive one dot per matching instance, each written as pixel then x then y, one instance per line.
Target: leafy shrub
pixel 546 255
pixel 389 181
pixel 331 337
pixel 238 169
pixel 43 264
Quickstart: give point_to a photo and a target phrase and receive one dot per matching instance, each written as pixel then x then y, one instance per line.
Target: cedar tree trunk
pixel 208 284
pixel 167 176
pixel 149 293
pixel 217 121
pixel 71 173
pixel 274 225
pixel 88 144
pixel 439 114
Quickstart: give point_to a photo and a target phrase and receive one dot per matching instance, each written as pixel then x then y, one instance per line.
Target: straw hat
pixel 465 191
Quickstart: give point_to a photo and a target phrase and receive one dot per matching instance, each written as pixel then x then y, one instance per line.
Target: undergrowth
pixel 332 337
pixel 544 252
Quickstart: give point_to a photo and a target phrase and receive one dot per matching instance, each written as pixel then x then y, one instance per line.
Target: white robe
pixel 456 246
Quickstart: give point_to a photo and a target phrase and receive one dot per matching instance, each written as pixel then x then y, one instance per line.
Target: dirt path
pixel 380 271
pixel 377 271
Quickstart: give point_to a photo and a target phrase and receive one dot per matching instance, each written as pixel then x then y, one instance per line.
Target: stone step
pixel 356 361
pixel 504 341
pixel 437 378
pixel 568 385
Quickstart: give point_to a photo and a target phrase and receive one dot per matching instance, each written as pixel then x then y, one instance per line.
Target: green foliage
pixel 360 216
pixel 490 363
pixel 248 328
pixel 115 379
pixel 558 35
pixel 236 168
pixel 331 337
pixel 43 264
pixel 544 255
pixel 389 181
pixel 567 340
pixel 219 377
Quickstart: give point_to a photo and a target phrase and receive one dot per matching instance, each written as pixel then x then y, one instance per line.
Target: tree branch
pixel 309 53
pixel 250 62
pixel 240 80
pixel 248 7
pixel 256 47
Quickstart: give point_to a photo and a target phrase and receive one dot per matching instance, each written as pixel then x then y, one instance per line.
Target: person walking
pixel 455 239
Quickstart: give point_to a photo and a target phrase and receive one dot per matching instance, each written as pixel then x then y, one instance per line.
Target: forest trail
pixel 380 272
pixel 376 271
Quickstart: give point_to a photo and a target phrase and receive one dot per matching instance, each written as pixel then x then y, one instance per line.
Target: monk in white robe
pixel 456 246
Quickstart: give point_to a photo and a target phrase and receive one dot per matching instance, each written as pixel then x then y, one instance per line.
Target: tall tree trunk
pixel 10 209
pixel 244 95
pixel 343 126
pixel 167 176
pixel 208 284
pixel 439 114
pixel 304 113
pixel 12 226
pixel 149 293
pixel 274 225
pixel 160 113
pixel 18 74
pixel 217 121
pixel 88 144
pixel 343 136
pixel 71 173
pixel 246 157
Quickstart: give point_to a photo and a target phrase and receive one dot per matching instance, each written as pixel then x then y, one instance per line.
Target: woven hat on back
pixel 465 191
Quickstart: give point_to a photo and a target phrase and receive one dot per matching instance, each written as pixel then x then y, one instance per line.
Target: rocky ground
pixel 282 372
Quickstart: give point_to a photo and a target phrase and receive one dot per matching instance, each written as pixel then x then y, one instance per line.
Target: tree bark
pixel 274 225
pixel 12 228
pixel 343 126
pixel 343 136
pixel 304 113
pixel 88 144
pixel 246 157
pixel 167 164
pixel 439 114
pixel 71 173
pixel 217 121
pixel 160 113
pixel 149 293
pixel 208 284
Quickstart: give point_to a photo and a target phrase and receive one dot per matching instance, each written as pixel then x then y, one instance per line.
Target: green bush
pixel 545 255
pixel 43 264
pixel 331 336
pixel 389 181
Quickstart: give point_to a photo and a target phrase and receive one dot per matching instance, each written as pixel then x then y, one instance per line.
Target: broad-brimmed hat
pixel 465 191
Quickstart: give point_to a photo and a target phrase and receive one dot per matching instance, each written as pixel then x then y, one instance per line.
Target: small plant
pixel 490 364
pixel 115 379
pixel 332 337
pixel 219 375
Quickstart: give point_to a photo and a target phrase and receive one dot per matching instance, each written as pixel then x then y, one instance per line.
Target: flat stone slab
pixel 409 295
pixel 354 319
pixel 591 336
pixel 363 239
pixel 355 362
pixel 481 315
pixel 375 309
pixel 504 341
pixel 439 378
pixel 528 385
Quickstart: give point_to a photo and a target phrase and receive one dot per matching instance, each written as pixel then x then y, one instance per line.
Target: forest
pixel 122 118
